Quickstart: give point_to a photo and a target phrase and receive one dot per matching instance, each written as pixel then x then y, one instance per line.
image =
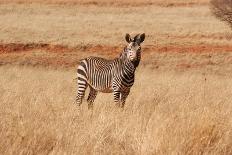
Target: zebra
pixel 110 76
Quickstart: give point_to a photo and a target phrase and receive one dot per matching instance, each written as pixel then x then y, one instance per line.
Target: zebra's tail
pixel 82 71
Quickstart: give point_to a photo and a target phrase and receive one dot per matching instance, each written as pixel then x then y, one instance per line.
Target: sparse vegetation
pixel 222 9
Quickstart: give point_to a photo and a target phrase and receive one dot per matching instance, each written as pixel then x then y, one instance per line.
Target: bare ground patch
pixel 212 58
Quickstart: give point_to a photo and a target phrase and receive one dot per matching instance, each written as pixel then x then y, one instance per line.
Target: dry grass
pixel 114 2
pixel 185 71
pixel 81 29
pixel 70 33
pixel 178 114
pixel 93 25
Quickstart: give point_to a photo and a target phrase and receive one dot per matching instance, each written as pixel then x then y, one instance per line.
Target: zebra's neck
pixel 126 71
pixel 128 66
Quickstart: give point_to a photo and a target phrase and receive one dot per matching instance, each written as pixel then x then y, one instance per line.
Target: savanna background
pixel 180 102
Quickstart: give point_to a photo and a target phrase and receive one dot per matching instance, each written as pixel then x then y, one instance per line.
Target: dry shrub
pixel 222 9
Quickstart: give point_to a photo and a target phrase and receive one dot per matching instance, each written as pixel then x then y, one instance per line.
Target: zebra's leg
pixel 91 98
pixel 117 97
pixel 82 85
pixel 123 98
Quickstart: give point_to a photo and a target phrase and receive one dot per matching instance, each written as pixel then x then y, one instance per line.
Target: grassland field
pixel 180 102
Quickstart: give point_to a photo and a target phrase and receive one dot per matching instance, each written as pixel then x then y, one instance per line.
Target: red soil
pixel 109 50
pixel 60 55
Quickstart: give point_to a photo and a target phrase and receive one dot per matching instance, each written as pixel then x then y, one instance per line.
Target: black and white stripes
pixel 110 76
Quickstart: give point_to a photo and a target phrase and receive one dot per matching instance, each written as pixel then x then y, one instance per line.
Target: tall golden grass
pixel 173 107
pixel 166 113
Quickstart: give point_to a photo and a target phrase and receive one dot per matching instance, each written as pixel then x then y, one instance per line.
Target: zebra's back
pixel 97 72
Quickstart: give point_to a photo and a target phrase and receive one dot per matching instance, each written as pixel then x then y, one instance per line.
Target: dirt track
pixel 38 34
pixel 19 47
pixel 207 58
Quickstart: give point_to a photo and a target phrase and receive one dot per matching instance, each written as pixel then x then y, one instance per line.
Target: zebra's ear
pixel 139 38
pixel 128 38
pixel 142 37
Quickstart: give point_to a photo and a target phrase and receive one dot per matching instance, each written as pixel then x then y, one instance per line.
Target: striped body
pixel 107 76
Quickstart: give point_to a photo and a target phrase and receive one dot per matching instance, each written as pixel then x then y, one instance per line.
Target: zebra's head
pixel 133 49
